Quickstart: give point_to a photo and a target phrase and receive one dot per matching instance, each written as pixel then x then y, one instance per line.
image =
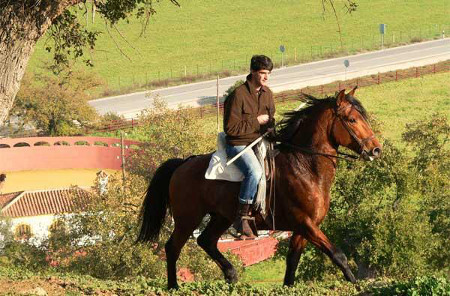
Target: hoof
pixel 288 283
pixel 231 276
pixel 350 277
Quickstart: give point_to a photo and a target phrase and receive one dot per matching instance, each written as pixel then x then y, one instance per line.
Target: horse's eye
pixel 351 120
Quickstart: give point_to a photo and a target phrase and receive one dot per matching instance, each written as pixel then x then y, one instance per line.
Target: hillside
pixel 207 36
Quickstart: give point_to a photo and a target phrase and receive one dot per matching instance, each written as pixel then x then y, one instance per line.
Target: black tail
pixel 154 207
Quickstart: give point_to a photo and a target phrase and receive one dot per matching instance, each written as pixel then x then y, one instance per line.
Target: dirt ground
pixel 51 286
pixel 49 179
pixel 30 287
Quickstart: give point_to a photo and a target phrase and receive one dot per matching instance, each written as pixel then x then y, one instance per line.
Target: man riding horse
pixel 308 142
pixel 249 112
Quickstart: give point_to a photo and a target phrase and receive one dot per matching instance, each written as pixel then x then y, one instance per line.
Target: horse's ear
pixel 352 92
pixel 340 98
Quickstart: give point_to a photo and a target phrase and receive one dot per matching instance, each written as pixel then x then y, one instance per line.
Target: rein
pixel 344 156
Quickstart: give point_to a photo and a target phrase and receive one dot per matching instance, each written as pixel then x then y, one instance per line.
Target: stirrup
pixel 246 227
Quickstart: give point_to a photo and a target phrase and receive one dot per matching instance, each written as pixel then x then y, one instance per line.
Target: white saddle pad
pixel 218 169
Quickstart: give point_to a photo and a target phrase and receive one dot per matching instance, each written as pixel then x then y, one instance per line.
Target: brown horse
pixel 305 170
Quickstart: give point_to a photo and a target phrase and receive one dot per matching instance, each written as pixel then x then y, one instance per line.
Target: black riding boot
pixel 242 222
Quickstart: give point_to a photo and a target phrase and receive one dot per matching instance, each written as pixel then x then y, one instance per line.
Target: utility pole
pixel 217 103
pixel 122 155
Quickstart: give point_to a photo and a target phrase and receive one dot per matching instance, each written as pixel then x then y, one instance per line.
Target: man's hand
pixel 263 119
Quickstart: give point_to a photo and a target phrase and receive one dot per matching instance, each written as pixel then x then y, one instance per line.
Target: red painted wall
pixel 100 153
pixel 250 251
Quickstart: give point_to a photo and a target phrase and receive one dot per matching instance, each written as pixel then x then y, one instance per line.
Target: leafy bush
pixel 233 87
pixel 24 254
pixel 425 285
pixel 374 206
pixel 54 103
pixel 6 234
pixel 391 216
pixel 430 144
pixel 168 134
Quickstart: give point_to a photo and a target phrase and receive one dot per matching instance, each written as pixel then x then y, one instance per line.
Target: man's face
pixel 260 78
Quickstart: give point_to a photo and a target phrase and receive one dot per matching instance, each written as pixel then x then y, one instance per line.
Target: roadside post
pixel 346 64
pixel 217 104
pixel 382 32
pixel 282 49
pixel 122 156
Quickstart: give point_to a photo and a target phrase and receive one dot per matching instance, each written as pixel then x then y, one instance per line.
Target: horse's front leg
pixel 296 246
pixel 313 234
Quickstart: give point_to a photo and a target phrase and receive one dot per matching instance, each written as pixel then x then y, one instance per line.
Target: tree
pixel 24 22
pixel 54 103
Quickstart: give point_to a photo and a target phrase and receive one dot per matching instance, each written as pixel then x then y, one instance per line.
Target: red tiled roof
pixel 7 197
pixel 43 202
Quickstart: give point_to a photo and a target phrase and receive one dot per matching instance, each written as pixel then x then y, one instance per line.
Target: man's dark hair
pixel 261 62
pixel 2 177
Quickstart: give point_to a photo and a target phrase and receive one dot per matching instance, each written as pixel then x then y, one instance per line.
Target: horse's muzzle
pixel 372 154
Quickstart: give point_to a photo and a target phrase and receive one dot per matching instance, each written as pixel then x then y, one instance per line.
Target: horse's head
pixel 351 128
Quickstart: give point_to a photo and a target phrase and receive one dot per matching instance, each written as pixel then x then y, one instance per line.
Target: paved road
pixel 287 78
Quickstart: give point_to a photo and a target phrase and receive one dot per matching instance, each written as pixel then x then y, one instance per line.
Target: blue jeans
pixel 249 165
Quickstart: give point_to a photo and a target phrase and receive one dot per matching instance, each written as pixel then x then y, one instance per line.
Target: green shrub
pixel 168 134
pixel 233 87
pixel 54 103
pixel 430 144
pixel 24 254
pixel 425 285
pixel 391 216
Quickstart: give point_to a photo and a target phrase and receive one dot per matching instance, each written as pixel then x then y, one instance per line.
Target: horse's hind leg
pixel 320 240
pixel 296 246
pixel 208 241
pixel 173 247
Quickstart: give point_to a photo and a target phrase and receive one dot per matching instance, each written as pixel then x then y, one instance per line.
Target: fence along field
pixel 435 85
pixel 286 100
pixel 205 37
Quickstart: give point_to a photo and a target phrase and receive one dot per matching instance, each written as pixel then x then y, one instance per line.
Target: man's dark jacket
pixel 242 107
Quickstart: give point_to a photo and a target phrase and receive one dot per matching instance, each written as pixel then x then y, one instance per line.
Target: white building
pixel 34 213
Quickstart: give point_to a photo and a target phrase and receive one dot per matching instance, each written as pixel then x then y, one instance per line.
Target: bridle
pixel 361 142
pixel 341 155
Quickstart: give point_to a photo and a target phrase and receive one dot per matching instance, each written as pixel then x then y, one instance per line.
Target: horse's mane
pixel 292 120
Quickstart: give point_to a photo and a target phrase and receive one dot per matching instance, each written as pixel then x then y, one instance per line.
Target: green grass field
pixel 394 104
pixel 213 35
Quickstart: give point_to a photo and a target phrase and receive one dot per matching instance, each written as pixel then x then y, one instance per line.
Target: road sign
pixel 346 63
pixel 382 32
pixel 282 48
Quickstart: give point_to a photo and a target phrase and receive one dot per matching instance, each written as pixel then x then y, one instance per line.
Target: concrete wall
pixel 43 153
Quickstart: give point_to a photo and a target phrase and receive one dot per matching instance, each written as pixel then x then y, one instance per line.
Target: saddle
pixel 218 170
pixel 265 152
